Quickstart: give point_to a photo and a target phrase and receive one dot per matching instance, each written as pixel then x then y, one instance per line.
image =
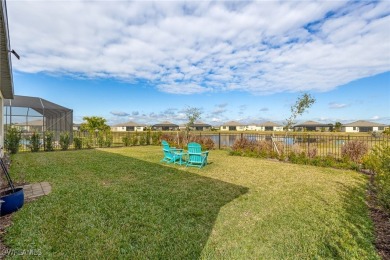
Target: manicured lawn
pixel 124 203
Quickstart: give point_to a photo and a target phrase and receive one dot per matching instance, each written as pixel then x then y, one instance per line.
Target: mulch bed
pixel 381 221
pixel 382 231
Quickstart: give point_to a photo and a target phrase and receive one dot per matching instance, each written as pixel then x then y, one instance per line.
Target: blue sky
pixel 245 61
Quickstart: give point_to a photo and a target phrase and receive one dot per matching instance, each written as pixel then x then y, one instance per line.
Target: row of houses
pixel 354 127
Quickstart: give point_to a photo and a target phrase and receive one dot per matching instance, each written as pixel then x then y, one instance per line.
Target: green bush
pixel 109 140
pixel 156 138
pixel 379 162
pixel 134 139
pixel 64 141
pixel 148 135
pixel 100 140
pixel 142 139
pixel 78 143
pixel 12 140
pixel 49 139
pixel 35 142
pixel 88 141
pixel 126 140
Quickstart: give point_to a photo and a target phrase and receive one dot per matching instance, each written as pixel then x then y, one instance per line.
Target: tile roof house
pixel 233 126
pixel 362 126
pixel 270 126
pixel 6 86
pixel 165 126
pixel 253 127
pixel 197 126
pixel 128 127
pixel 313 126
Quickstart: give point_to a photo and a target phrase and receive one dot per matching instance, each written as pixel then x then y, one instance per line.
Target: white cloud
pixel 181 47
pixel 334 105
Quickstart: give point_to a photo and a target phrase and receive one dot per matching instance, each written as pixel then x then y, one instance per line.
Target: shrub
pixel 312 152
pixel 12 140
pixel 78 143
pixel 148 137
pixel 142 139
pixel 379 162
pixel 100 140
pixel 64 141
pixel 207 143
pixel 296 148
pixel 109 140
pixel 298 158
pixel 134 139
pixel 244 145
pixel 88 141
pixel 354 150
pixel 126 140
pixel 170 138
pixel 35 142
pixel 48 144
pixel 156 138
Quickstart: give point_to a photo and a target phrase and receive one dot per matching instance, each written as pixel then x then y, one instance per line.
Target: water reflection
pixel 227 140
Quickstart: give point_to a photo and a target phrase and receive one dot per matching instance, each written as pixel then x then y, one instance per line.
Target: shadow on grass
pixel 356 229
pixel 110 205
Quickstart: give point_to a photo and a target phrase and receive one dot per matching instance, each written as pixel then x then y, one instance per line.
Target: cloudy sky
pixel 147 61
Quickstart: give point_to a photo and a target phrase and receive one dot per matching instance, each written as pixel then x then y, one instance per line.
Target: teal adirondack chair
pixel 196 157
pixel 171 154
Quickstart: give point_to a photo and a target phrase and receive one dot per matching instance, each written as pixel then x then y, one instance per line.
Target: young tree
pixel 192 114
pixel 96 127
pixel 301 105
pixel 337 126
pixel 94 124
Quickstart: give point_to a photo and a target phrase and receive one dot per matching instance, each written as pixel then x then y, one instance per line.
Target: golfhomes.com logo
pixel 21 252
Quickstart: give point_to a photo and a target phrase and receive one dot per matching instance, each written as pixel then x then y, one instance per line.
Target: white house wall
pixel 118 129
pixel 350 129
pixel 251 128
pixel 224 128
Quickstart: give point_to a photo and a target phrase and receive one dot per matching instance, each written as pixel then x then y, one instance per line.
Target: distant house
pixel 253 127
pixel 31 126
pixel 200 126
pixel 233 126
pixel 197 126
pixel 76 127
pixel 128 127
pixel 165 126
pixel 362 126
pixel 270 126
pixel 313 126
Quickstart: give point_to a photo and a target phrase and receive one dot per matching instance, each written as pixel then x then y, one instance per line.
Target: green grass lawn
pixel 124 203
